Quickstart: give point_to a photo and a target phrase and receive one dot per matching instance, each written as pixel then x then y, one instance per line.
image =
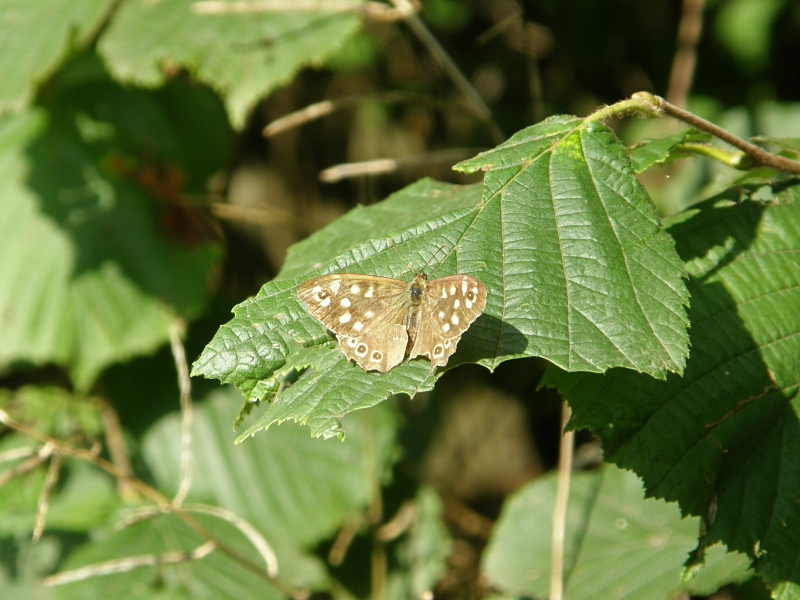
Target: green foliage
pixel 115 146
pixel 83 245
pixel 617 544
pixel 659 151
pixel 715 438
pixel 243 58
pixel 36 37
pixel 324 483
pixel 551 261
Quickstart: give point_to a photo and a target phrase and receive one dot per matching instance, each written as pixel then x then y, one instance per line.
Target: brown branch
pixel 37 458
pixel 683 65
pixel 115 442
pixel 327 107
pixel 376 11
pixel 44 496
pixel 449 66
pixel 760 156
pixel 382 166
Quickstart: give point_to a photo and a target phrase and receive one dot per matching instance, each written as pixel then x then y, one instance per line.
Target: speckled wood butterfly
pixel 379 320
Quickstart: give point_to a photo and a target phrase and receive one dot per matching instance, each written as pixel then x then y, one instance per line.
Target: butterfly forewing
pixel 451 305
pixel 366 313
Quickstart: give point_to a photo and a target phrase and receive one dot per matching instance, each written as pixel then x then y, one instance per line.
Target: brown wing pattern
pixel 367 314
pixel 451 305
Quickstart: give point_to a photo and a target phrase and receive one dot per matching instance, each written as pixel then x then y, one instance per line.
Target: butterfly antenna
pixel 410 266
pixel 396 249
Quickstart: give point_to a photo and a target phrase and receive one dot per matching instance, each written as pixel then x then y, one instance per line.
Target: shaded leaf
pixel 214 576
pixel 243 57
pixel 89 275
pixel 618 545
pixel 295 489
pixel 37 34
pixel 722 440
pixel 650 152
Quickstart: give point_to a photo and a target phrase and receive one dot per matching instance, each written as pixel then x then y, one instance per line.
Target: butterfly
pixel 379 320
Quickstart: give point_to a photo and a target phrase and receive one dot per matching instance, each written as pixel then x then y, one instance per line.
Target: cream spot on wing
pixel 475 290
pixel 452 289
pixel 454 320
pixel 354 289
pixel 325 302
pixel 316 289
pixel 468 303
pixel 444 293
pixel 369 292
pixel 457 303
pixel 369 314
pixel 358 326
pixel 446 327
pixel 344 318
pixel 351 342
pixel 335 285
pixel 464 287
pixel 447 343
pixel 345 302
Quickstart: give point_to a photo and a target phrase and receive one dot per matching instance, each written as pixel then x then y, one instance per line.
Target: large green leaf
pixel 585 274
pixel 723 439
pixel 243 57
pixel 618 545
pixel 564 237
pixel 89 276
pixel 35 37
pixel 295 489
pixel 214 576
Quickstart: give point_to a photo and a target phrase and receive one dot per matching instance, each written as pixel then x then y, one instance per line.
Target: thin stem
pixel 650 105
pixel 424 35
pixel 44 496
pixel 382 166
pixel 560 509
pixel 371 10
pixel 31 463
pixel 127 564
pixel 115 443
pixel 185 387
pixel 327 107
pixel 258 541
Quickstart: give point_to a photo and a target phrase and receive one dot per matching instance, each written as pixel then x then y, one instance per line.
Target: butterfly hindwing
pixel 380 349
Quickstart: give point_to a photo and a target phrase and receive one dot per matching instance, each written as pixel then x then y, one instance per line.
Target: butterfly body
pixel 379 320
